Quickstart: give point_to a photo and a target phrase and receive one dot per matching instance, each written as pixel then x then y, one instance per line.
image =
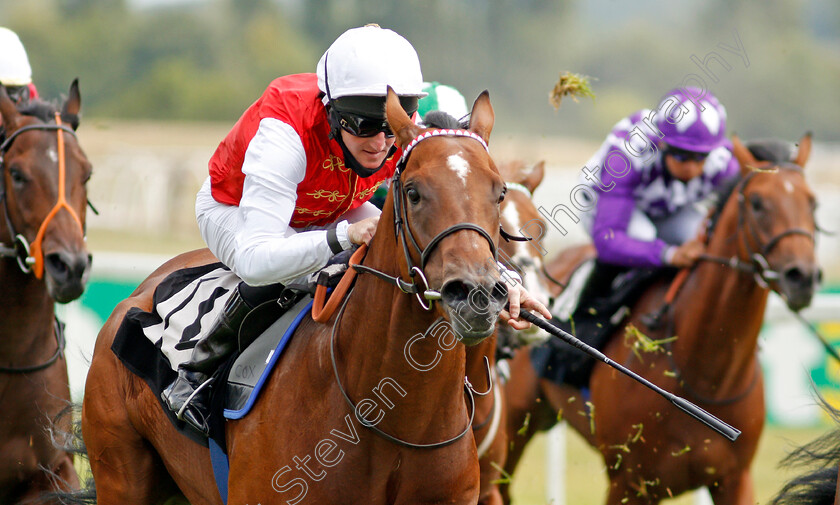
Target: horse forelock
pixel 772 150
pixel 40 109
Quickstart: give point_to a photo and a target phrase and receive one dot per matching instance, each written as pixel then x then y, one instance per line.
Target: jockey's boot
pixel 189 395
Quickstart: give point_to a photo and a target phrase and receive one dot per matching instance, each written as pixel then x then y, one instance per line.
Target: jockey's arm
pixel 267 249
pixel 610 234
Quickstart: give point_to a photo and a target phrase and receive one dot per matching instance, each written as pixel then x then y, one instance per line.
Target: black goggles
pixel 683 155
pixel 363 126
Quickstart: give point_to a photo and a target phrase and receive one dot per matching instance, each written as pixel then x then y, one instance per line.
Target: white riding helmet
pixel 14 64
pixel 364 61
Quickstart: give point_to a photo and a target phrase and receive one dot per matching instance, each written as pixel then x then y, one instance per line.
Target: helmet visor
pixel 363 126
pixel 686 155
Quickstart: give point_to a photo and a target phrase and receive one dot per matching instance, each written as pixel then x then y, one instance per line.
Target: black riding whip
pixel 686 406
pixel 828 348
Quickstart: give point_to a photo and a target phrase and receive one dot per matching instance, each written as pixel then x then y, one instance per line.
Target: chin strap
pixel 354 165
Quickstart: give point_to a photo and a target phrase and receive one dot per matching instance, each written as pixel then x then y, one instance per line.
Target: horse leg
pixel 526 412
pixel 126 468
pixel 60 477
pixel 734 490
pixel 494 498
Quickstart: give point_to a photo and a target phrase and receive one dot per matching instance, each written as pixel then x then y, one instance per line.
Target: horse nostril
pixel 798 277
pixel 500 292
pixel 57 266
pixel 456 291
pixel 63 267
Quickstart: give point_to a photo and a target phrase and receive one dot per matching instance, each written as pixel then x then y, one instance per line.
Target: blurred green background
pixel 209 59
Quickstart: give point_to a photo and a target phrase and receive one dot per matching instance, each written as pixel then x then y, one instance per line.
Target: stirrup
pixel 188 401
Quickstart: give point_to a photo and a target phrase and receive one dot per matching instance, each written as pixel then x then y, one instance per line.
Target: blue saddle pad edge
pixel 278 351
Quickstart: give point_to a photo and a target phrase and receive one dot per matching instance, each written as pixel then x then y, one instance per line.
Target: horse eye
pixel 413 196
pixel 502 196
pixel 17 176
pixel 756 203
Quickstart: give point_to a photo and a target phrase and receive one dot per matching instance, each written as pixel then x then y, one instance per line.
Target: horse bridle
pixel 30 258
pixel 58 331
pixel 757 266
pixel 403 231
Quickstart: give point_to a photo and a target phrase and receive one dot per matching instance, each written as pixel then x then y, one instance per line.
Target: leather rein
pixel 30 257
pixel 757 266
pixel 418 285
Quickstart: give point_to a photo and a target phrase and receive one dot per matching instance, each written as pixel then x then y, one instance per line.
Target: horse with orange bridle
pixel 762 240
pixel 44 260
pixel 410 440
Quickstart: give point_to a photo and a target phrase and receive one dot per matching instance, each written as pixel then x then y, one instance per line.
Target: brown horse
pixel 763 239
pixel 379 357
pixel 519 217
pixel 44 202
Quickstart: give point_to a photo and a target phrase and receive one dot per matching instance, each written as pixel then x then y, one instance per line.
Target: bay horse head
pixel 775 213
pixel 446 197
pixel 44 194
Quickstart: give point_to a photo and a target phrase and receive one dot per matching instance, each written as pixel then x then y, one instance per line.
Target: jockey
pixel 648 193
pixel 289 185
pixel 15 72
pixel 658 169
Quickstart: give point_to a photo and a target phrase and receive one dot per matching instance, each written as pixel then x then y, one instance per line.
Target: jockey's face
pixel 370 152
pixel 684 170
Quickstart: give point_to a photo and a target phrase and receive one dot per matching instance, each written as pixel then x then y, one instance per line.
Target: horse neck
pixel 372 356
pixel 719 313
pixel 26 313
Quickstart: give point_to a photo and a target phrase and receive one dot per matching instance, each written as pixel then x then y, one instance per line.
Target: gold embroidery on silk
pixel 331 196
pixel 333 163
pixel 367 192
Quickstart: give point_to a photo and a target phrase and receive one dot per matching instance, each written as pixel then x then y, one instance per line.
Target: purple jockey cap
pixel 692 119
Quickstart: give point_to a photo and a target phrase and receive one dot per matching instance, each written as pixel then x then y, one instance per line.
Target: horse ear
pixel 743 155
pixel 403 127
pixel 8 111
pixel 72 106
pixel 804 150
pixel 482 116
pixel 535 176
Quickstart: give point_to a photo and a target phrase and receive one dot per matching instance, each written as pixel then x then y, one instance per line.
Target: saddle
pixel 153 344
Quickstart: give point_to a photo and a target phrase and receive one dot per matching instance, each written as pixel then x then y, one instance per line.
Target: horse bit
pixel 423 293
pixel 20 250
pixel 757 265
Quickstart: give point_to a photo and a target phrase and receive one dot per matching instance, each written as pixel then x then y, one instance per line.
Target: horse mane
pixel 776 151
pixel 442 119
pixel 818 459
pixel 720 196
pixel 773 150
pixel 45 111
